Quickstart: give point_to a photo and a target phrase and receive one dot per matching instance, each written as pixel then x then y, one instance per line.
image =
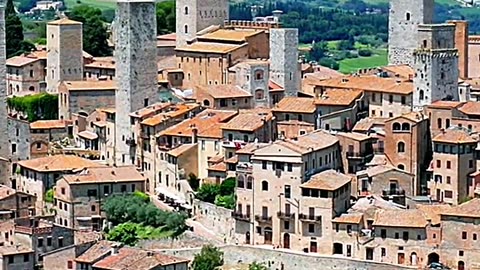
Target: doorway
pixel 286 240
pixel 313 247
pixel 369 254
pixel 401 258
pixel 268 236
pixel 247 238
pixel 337 248
pixel 433 258
pixel 413 259
pixel 461 265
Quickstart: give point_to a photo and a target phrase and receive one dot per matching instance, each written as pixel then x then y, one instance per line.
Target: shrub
pixel 49 196
pixel 209 258
pixel 227 201
pixel 208 192
pixel 365 52
pixel 329 62
pixel 227 187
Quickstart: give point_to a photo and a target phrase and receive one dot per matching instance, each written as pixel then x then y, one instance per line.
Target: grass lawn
pixel 101 4
pixel 354 64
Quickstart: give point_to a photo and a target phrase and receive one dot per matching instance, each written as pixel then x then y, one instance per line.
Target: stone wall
pixel 288 260
pixel 217 219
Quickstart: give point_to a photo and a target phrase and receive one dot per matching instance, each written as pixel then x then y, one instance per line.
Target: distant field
pixel 354 64
pixel 444 2
pixel 101 4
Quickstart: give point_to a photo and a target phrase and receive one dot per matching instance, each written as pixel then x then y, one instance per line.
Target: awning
pixel 167 193
pixel 88 135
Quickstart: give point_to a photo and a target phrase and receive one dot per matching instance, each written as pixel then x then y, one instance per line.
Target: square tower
pixel 435 65
pixel 253 76
pixel 4 134
pixel 284 64
pixel 194 16
pixel 404 18
pixel 64 52
pixel 136 67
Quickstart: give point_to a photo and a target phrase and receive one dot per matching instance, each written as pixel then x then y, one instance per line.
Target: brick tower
pixel 404 18
pixel 435 65
pixel 136 67
pixel 195 15
pixel 65 53
pixel 284 65
pixel 4 136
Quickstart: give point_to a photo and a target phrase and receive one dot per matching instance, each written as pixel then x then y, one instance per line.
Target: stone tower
pixel 461 43
pixel 284 64
pixel 64 52
pixel 4 143
pixel 435 65
pixel 136 68
pixel 253 77
pixel 195 15
pixel 404 18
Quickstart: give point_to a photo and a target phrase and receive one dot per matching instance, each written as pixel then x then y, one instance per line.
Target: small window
pixel 93 208
pixel 264 185
pixel 26 257
pixel 264 164
pixel 186 10
pixel 49 241
pixel 408 16
pixel 464 235
pixel 401 147
pixel 69 265
pixel 186 29
pixel 311 228
pixel 123 188
pixel 449 164
pixel 383 233
pixel 92 193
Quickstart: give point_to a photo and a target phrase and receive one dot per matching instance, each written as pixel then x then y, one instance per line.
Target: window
pixel 14 148
pixel 249 182
pixel 449 180
pixel 438 178
pixel 439 163
pixel 405 126
pixel 390 99
pixel 464 235
pixel 241 181
pixel 203 145
pixel 106 190
pixel 401 147
pixel 288 191
pixel 92 193
pixel 397 236
pixel 186 29
pixel 439 122
pixel 26 257
pixel 60 241
pixel 123 188
pixel 264 164
pixel 186 10
pixel 311 228
pixel 93 208
pixel 470 164
pixel 264 185
pixel 49 241
pixel 408 16
pixel 449 164
pixel 11 259
pixel 40 242
pixel 69 265
pixel 448 194
pixel 421 95
pixel 396 126
pixel 286 225
pixel 384 252
pixel 133 185
pixel 289 167
pixel 259 94
pixel 63 191
pixel 383 233
pixel 405 236
pixel 349 229
pixel 404 100
pixel 373 97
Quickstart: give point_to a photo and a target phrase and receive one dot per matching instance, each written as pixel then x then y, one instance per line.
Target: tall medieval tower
pixel 435 65
pixel 284 65
pixel 4 135
pixel 194 16
pixel 64 53
pixel 404 18
pixel 136 67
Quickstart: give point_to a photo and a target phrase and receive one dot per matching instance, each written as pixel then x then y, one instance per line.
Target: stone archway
pixel 433 258
pixel 413 259
pixel 247 238
pixel 286 240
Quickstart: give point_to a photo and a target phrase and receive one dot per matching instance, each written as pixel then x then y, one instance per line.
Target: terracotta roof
pixel 355 136
pixel 6 192
pixel 404 71
pixel 216 159
pixel 100 123
pixel 433 212
pixel 416 117
pixel 152 110
pixel 108 85
pixel 441 104
pixel 379 159
pixel 229 35
pixel 105 175
pixel 232 160
pixel 250 148
pixel 295 105
pixel 380 169
pixel 314 141
pixel 222 91
pixel 275 87
pixel 327 180
pixel 208 124
pixel 352 218
pixel 171 36
pixel 12 250
pixel 454 136
pixel 96 251
pixel 20 61
pixel 249 120
pixel 107 62
pixel 409 218
pixel 57 163
pixel 64 21
pixel 166 62
pixel 173 112
pixel 366 124
pixel 471 108
pixel 178 151
pixel 210 47
pixel 88 135
pixel 48 124
pixel 108 110
pixel 219 167
pixel 40 54
pixel 338 97
pixel 370 83
pixel 467 209
pixel 322 73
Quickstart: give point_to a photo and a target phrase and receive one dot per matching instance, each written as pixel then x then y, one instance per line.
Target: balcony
pixel 241 216
pixel 310 218
pixel 285 216
pixel 360 156
pixel 263 219
pixel 131 142
pixel 234 144
pixel 393 192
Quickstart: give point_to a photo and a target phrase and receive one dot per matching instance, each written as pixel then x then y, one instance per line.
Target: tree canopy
pixel 209 258
pixel 166 17
pixel 95 34
pixel 15 45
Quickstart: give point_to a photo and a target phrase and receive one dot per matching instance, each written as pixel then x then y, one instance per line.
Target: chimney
pixel 115 248
pixel 194 134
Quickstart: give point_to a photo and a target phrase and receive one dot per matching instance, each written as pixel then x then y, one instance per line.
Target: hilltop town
pixel 219 141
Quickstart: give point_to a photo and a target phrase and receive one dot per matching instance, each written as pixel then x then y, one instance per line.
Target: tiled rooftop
pixel 327 180
pixel 338 97
pixel 249 120
pixel 48 124
pixel 370 83
pixel 454 136
pixel 105 175
pixel 20 61
pixel 210 47
pixel 407 218
pixel 230 35
pixel 295 105
pixel 57 163
pixel 108 85
pixel 222 91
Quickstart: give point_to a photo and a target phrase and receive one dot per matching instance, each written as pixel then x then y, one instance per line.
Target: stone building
pixel 25 75
pixel 65 53
pixel 303 207
pixel 194 16
pixel 136 70
pixel 44 132
pixel 38 175
pixel 284 66
pixel 79 197
pixel 15 203
pixel 461 44
pixel 223 97
pixel 83 97
pixel 13 258
pixel 253 77
pixel 6 170
pixel 404 19
pixel 473 56
pixel 356 151
pixel 453 162
pixel 436 65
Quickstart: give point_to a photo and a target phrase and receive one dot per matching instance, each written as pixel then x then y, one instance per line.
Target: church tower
pixel 404 18
pixel 194 16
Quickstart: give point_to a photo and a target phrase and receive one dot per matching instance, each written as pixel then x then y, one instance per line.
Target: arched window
pixel 447 123
pixel 245 138
pixel 259 75
pixel 17 88
pixel 259 94
pixel 186 10
pixel 408 16
pixel 264 185
pixel 422 95
pixel 396 126
pixel 186 29
pixel 439 122
pixel 206 103
pixel 241 181
pixel 401 147
pixel 401 166
pixel 469 127
pixel 31 88
pixel 405 126
pixel 250 182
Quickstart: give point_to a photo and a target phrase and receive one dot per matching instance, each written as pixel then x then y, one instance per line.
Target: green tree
pixel 227 187
pixel 15 45
pixel 40 106
pixel 227 201
pixel 318 51
pixel 193 181
pixel 257 266
pixel 166 17
pixel 95 34
pixel 208 192
pixel 10 8
pixel 125 233
pixel 209 258
pixel 49 196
